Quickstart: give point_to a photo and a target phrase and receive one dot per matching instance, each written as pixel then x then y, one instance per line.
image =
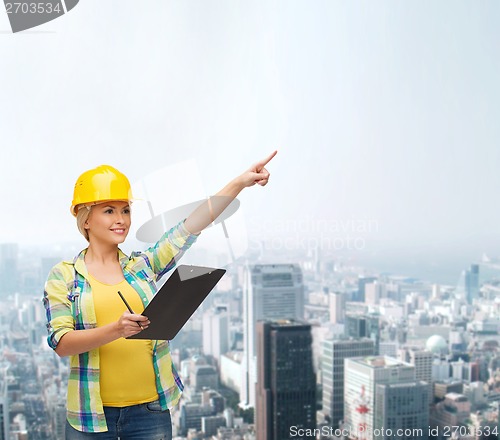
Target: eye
pixel 126 211
pixel 108 211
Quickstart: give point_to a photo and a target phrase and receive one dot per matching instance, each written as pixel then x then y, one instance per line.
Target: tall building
pixel 362 282
pixel 363 326
pixel 216 332
pixel 8 268
pixel 382 393
pixel 374 291
pixel 210 424
pixel 402 408
pixel 4 406
pixel 59 420
pixel 201 374
pixel 204 376
pixel 191 415
pixel 420 359
pixel 333 355
pixel 271 292
pixel 286 386
pixel 337 308
pixel 472 283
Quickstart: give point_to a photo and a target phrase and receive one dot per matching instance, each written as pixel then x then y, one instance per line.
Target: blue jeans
pixel 137 422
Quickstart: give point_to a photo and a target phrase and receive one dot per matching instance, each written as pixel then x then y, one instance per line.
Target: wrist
pixel 239 183
pixel 114 331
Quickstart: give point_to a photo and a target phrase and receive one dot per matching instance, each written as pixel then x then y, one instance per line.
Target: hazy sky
pixel 382 112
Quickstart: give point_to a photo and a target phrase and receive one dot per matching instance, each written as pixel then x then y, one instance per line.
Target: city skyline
pixel 446 270
pixel 449 335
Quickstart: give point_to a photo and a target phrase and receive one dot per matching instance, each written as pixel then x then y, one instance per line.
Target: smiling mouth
pixel 118 231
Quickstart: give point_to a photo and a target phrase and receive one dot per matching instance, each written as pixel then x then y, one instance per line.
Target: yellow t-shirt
pixel 127 375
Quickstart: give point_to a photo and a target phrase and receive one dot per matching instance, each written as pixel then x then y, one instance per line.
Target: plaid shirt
pixel 69 306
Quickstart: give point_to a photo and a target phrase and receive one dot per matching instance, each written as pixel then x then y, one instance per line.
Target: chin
pixel 120 240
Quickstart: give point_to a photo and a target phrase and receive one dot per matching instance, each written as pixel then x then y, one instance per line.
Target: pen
pixel 129 308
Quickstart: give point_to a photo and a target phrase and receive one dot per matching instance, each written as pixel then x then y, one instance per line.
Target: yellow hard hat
pixel 100 184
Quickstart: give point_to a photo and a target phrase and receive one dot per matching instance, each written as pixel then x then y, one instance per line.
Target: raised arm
pixel 208 211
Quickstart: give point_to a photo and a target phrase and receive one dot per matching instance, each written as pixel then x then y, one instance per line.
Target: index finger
pixel 266 161
pixel 136 317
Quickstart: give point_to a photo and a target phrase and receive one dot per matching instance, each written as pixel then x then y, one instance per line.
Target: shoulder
pixel 138 260
pixel 64 270
pixel 61 270
pixel 59 282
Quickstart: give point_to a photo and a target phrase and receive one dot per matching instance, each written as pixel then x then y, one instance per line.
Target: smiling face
pixel 109 222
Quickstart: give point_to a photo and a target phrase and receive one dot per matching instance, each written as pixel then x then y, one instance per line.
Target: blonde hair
pixel 82 216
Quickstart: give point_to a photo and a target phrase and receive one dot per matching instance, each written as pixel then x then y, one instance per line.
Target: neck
pixel 101 253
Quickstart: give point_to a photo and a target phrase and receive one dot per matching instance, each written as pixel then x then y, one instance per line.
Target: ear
pixel 86 224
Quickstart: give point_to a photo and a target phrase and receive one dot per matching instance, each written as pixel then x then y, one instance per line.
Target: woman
pixel 117 387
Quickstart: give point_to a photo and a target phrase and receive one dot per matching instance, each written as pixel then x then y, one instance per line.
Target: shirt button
pixel 144 299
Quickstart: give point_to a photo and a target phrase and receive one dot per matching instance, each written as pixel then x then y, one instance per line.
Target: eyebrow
pixel 114 207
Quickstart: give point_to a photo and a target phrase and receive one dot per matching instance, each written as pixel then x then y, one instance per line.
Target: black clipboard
pixel 177 300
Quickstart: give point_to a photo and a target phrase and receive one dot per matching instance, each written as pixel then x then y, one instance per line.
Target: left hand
pixel 257 173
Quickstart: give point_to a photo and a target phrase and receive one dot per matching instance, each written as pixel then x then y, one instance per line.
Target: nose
pixel 119 218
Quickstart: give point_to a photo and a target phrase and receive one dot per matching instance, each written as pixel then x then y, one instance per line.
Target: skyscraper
pixel 420 359
pixel 286 386
pixel 402 408
pixel 334 353
pixel 472 283
pixel 4 406
pixel 382 392
pixel 362 282
pixel 374 291
pixel 216 332
pixel 270 292
pixel 363 326
pixel 337 307
pixel 8 268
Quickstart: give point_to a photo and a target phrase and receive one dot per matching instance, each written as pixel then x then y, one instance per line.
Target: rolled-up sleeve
pixel 170 248
pixel 57 307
